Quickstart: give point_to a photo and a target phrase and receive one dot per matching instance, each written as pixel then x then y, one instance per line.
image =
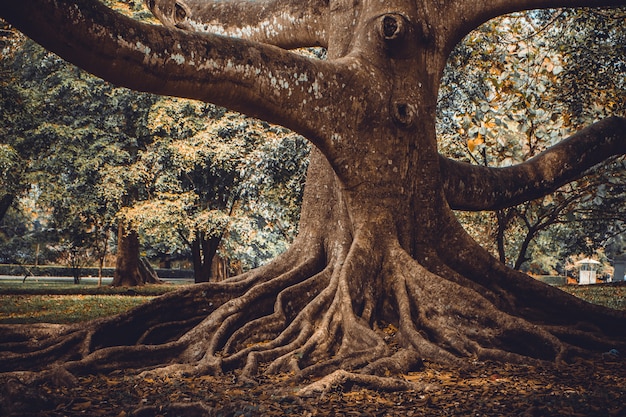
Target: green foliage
pixel 10 168
pixel 593 84
pixel 81 154
pixel 222 175
pixel 518 85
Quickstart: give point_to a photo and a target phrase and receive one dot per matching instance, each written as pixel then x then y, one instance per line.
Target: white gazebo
pixel 587 271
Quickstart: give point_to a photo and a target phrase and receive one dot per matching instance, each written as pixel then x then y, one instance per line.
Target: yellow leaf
pixel 472 143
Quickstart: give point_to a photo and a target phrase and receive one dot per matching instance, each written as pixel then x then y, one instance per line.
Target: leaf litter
pixel 590 387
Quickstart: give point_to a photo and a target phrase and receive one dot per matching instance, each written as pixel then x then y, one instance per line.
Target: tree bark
pixel 130 269
pixel 381 274
pixel 5 203
pixel 203 251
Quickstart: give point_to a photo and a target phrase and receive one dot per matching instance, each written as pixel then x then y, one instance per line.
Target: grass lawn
pixel 64 302
pixel 609 295
pixel 64 308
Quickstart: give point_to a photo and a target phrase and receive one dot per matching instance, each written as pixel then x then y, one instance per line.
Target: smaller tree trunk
pixel 75 263
pixel 146 270
pixel 521 256
pixel 100 268
pixel 130 270
pixel 5 204
pixel 504 217
pixel 203 251
pixel 102 251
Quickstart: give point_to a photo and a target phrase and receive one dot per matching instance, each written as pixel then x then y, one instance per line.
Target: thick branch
pixel 466 16
pixel 284 23
pixel 260 80
pixel 474 188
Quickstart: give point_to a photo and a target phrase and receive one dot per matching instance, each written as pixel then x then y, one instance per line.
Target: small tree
pixel 207 167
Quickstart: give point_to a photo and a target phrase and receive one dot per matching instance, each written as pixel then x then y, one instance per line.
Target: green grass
pixel 33 287
pixel 608 295
pixel 64 308
pixel 64 302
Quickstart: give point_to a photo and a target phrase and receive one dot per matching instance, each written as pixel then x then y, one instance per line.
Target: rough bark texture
pixel 382 275
pixel 130 269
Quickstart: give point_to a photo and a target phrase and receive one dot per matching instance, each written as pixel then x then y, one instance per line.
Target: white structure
pixel 587 271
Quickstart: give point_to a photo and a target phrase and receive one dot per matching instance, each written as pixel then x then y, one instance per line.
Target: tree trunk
pixel 203 251
pixel 381 275
pixel 5 204
pixel 130 270
pixel 503 218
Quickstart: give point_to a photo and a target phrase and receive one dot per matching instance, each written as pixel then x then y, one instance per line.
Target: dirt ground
pixel 589 387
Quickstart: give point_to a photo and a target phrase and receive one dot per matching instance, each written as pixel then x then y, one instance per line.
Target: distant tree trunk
pixel 203 250
pixel 100 268
pixel 503 217
pixel 222 269
pixel 102 251
pixel 5 204
pixel 130 270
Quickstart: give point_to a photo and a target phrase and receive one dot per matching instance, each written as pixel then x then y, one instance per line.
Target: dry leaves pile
pixel 590 387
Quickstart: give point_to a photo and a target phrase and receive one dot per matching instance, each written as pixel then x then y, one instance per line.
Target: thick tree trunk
pixel 382 275
pixel 130 269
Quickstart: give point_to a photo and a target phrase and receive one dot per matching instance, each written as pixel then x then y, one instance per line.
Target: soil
pixel 589 387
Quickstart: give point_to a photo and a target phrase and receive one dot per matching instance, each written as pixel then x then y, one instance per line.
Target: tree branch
pixel 284 23
pixel 260 80
pixel 465 16
pixel 474 188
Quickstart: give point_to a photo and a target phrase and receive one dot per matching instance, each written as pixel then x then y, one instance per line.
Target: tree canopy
pixel 76 147
pixel 512 89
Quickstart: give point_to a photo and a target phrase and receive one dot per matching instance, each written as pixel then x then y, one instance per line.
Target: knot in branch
pixel 403 114
pixel 392 27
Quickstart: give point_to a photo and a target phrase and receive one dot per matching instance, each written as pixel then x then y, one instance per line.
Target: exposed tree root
pixel 350 314
pixel 341 378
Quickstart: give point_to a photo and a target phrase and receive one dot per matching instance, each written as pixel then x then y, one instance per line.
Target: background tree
pixel 81 134
pixel 379 247
pixel 207 165
pixel 534 54
pixel 95 152
pixel 17 106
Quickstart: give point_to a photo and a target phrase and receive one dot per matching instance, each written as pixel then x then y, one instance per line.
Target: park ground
pixel 591 386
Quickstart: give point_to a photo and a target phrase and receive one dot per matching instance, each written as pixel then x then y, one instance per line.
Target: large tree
pixel 381 274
